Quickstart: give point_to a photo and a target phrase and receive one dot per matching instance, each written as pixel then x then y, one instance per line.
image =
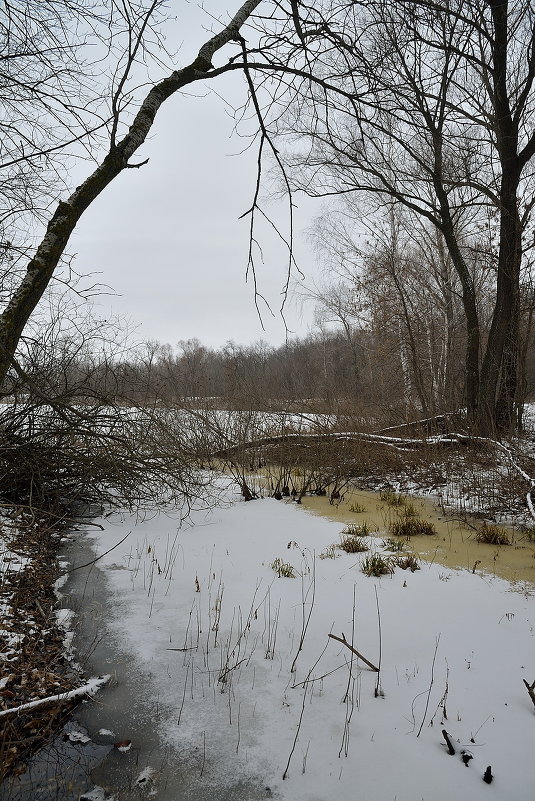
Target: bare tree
pixel 126 135
pixel 438 115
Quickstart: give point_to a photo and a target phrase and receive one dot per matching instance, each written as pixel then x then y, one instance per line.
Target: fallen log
pixel 403 443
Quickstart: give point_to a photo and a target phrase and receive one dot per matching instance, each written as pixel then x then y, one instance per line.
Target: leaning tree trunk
pixel 41 268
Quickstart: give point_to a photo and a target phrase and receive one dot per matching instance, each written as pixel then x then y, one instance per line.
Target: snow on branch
pixel 90 688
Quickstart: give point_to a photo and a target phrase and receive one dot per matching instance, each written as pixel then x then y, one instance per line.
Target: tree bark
pixel 499 369
pixel 473 335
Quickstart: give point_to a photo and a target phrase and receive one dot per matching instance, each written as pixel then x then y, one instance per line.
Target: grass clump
pixel 330 552
pixel 493 535
pixel 392 498
pixel 352 544
pixel 409 510
pixel 393 545
pixel 354 530
pixel 357 508
pixel 283 569
pixel 408 562
pixel 530 534
pixel 376 565
pixel 352 538
pixel 411 527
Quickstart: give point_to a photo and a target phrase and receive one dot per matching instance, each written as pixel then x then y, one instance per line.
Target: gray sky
pixel 167 237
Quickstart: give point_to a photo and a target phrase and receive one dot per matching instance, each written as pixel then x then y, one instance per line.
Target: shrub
pixel 283 569
pixel 408 562
pixel 530 534
pixel 493 535
pixel 411 527
pixel 376 565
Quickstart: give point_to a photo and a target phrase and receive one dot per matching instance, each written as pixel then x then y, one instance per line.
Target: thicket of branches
pixel 69 439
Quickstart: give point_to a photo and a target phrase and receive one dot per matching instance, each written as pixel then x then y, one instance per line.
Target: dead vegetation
pixel 471 475
pixel 493 535
pixel 32 642
pixel 411 527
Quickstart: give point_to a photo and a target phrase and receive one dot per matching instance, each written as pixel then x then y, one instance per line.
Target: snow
pixel 145 776
pixel 215 633
pixel 78 737
pixel 10 561
pixel 65 618
pixel 89 688
pixel 96 794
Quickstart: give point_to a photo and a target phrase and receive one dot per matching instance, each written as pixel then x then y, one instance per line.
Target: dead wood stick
pixel 343 640
pixel 531 690
pixel 451 749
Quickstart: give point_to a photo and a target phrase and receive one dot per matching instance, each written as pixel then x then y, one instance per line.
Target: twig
pixel 531 690
pixel 224 673
pixel 430 687
pixel 92 562
pixel 306 620
pixel 343 640
pixel 285 774
pixel 318 678
pixel 377 686
pixel 305 683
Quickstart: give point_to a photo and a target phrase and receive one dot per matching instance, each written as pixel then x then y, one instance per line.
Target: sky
pixel 167 237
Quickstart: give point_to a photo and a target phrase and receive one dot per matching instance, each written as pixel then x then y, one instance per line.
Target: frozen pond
pixel 131 708
pixel 228 685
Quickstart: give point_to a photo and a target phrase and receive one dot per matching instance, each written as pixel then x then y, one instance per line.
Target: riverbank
pixel 35 659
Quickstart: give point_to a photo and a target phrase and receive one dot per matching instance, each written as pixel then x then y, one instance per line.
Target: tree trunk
pixel 500 365
pixel 499 369
pixel 469 306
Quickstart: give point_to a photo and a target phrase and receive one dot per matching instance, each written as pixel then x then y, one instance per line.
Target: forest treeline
pixel 387 345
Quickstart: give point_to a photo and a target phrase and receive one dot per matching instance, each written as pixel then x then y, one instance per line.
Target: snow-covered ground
pixel 215 632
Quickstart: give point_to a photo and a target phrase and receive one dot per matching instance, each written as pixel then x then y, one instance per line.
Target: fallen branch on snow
pixel 343 640
pixel 92 686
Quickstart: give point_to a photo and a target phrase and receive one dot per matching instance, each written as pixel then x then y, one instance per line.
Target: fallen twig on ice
pixel 343 640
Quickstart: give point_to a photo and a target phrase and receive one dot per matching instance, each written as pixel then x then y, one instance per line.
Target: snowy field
pixel 253 692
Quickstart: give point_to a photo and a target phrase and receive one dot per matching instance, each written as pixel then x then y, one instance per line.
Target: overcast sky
pixel 168 238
